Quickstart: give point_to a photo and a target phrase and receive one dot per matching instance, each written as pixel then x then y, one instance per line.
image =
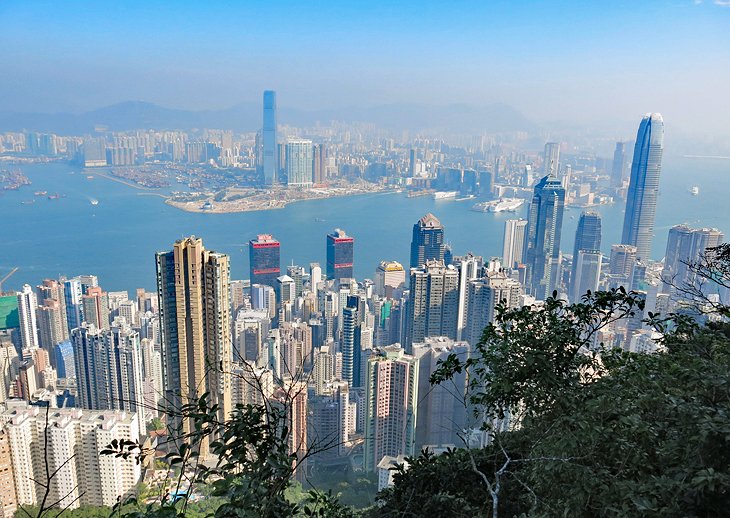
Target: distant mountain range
pixel 131 115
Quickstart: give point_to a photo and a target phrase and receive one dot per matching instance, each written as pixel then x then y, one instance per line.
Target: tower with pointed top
pixel 428 241
pixel 641 199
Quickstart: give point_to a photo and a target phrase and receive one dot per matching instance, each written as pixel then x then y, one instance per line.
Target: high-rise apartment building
pixel 433 307
pixel 8 498
pixel 109 368
pixel 264 260
pixel 514 242
pixel 299 163
pixel 270 152
pixel 193 290
pixel 442 408
pixel 391 399
pixel 27 303
pixel 72 441
pixel 96 307
pixel 542 240
pixel 340 255
pixel 428 241
pixel 469 267
pixel 641 199
pixel 389 276
pixel 483 296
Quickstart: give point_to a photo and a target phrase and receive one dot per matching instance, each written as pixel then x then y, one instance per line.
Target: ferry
pixel 41 193
pixel 500 205
pixel 444 195
pixel 694 190
pixel 94 201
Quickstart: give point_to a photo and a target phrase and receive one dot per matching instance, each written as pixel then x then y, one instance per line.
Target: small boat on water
pixel 94 201
pixel 694 190
pixel 28 202
pixel 41 193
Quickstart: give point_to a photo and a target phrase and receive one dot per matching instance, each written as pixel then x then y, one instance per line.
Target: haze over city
pixel 361 260
pixel 596 65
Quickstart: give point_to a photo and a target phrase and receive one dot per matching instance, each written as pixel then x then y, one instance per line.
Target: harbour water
pixel 117 237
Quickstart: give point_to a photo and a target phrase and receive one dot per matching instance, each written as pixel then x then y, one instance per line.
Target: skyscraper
pixel 350 339
pixel 641 199
pixel 109 367
pixel 433 307
pixel 483 296
pixel 618 169
pixel 193 290
pixel 271 154
pixel 686 245
pixel 586 273
pixel 27 304
pixel 299 163
pixel 587 237
pixel 391 398
pixel 428 241
pixel 389 275
pixel 542 241
pixel 514 241
pixel 551 165
pixel 264 260
pixel 340 255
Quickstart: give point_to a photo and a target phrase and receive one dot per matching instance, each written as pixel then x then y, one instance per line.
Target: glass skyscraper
pixel 271 156
pixel 542 241
pixel 264 260
pixel 428 241
pixel 587 237
pixel 644 185
pixel 340 255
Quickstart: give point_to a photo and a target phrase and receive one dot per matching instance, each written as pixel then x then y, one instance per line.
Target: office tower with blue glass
pixel 271 155
pixel 428 241
pixel 340 255
pixel 542 240
pixel 587 237
pixel 641 199
pixel 264 259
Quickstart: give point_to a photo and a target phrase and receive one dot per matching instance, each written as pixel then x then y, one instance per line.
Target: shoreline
pixel 242 205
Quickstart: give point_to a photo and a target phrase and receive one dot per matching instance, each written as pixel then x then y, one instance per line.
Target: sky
pixel 582 62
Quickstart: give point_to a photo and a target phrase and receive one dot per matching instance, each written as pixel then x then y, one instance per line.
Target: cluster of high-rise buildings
pixel 349 360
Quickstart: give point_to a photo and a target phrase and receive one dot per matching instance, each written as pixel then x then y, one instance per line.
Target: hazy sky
pixel 579 61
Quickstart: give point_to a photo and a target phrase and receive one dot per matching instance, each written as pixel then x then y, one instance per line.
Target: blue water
pixel 117 238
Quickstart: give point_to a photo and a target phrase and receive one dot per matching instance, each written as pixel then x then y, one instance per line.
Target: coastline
pixel 258 203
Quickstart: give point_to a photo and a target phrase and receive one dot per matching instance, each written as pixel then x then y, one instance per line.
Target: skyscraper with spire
pixel 641 199
pixel 271 154
pixel 542 240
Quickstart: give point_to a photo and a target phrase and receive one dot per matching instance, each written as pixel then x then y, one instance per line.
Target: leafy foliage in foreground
pixel 649 437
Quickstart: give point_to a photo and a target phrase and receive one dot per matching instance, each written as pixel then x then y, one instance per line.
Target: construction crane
pixel 2 281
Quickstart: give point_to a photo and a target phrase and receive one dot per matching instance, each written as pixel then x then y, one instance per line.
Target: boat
pixel 41 193
pixel 444 195
pixel 94 202
pixel 28 202
pixel 694 190
pixel 90 177
pixel 54 196
pixel 499 205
